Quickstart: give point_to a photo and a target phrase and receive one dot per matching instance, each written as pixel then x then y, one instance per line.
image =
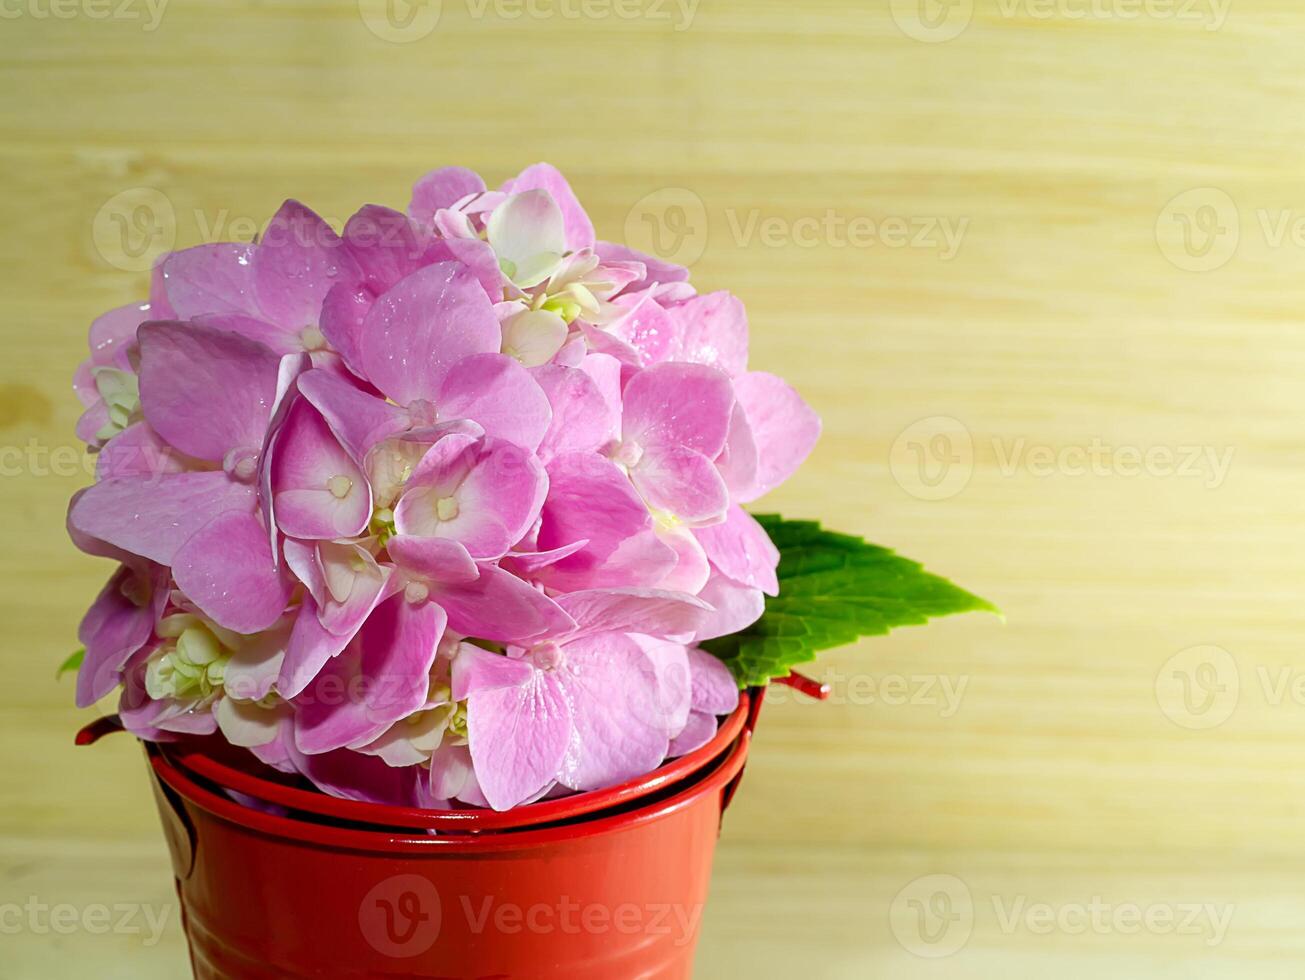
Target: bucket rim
pixel 309 833
pixel 195 762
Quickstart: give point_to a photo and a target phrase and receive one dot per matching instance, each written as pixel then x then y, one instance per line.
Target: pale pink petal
pixel 657 271
pixel 647 328
pixel 476 670
pixel 358 419
pixel 674 681
pixel 682 482
pixel 579 230
pixel 784 427
pixel 441 189
pixel 532 337
pixel 654 612
pixel 511 768
pixel 713 329
pixel 154 516
pixel 698 730
pixel 310 648
pixel 215 278
pixel 450 771
pixel 119 622
pixel 620 728
pixel 205 391
pixel 741 549
pixel 298 259
pixel 112 334
pixel 526 563
pixel 381 677
pixel 433 560
pixel 735 607
pixel 500 396
pixel 739 460
pixel 528 234
pixel 248 724
pixel 256 662
pixel 714 689
pixel 678 405
pixel 344 310
pixel 226 569
pixel 319 491
pixel 419 329
pixel 691 566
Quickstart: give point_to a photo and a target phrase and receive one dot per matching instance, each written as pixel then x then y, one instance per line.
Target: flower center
pixel 446 508
pixel 339 485
pixel 627 454
pixel 312 338
pixel 416 592
pixel 546 656
pixel 194 668
pixel 241 464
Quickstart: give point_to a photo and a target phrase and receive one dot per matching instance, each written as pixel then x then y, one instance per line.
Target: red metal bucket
pixel 599 886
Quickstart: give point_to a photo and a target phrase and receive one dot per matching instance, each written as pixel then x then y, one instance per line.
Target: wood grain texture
pixel 1030 370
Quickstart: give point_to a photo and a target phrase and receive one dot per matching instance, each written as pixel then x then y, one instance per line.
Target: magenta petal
pixel 112 334
pixel 418 330
pixel 714 689
pixel 359 420
pixel 353 776
pixel 298 259
pixel 442 189
pixel 784 427
pixel 518 737
pixel 310 648
pixel 649 611
pixel 433 560
pixel 382 677
pixel 476 670
pixel 619 720
pixel 205 391
pixel 648 329
pixel 589 498
pixel 713 330
pixel 584 421
pixel 226 569
pixel 657 271
pixel 344 311
pixel 500 395
pixel 215 278
pixel 319 491
pixel 544 176
pixel 271 335
pixel 154 516
pixel 741 549
pixel 119 622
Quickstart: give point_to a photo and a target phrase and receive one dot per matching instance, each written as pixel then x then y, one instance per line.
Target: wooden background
pixel 1090 412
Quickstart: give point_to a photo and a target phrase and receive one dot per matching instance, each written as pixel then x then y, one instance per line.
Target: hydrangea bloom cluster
pixel 432 511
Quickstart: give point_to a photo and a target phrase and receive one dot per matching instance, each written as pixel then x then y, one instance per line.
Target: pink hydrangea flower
pixel 433 510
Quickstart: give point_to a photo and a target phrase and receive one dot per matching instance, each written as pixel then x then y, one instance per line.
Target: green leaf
pixel 833 588
pixel 72 663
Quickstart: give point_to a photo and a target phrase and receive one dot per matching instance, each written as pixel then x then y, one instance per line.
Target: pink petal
pixel 138 451
pixel 154 516
pixel 620 723
pixel 386 245
pixel 498 394
pixel 418 330
pixel 310 648
pixel 741 549
pixel 319 491
pixel 358 419
pixel 653 612
pixel 215 278
pixel 382 677
pixel 205 391
pixel 584 421
pixel 112 334
pixel 344 310
pixel 119 622
pixel 648 329
pixel 739 460
pixel 589 498
pixel 476 670
pixel 714 688
pixel 353 776
pixel 433 560
pixel 678 405
pixel 697 732
pixel 735 607
pixel 657 270
pixel 691 566
pixel 298 259
pixel 518 736
pixel 271 335
pixel 784 427
pixel 579 230
pixel 226 569
pixel 713 330
pixel 441 189
pixel 674 681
